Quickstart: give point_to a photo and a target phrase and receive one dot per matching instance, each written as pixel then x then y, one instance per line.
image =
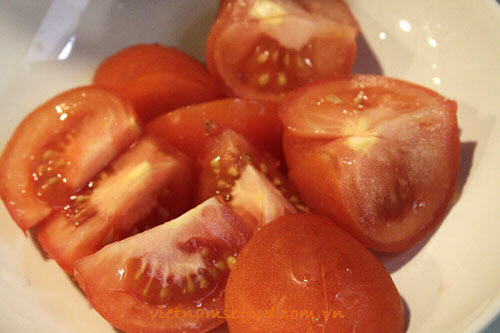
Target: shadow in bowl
pixel 407 313
pixel 366 62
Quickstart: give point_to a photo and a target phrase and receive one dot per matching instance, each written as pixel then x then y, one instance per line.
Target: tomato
pixel 59 147
pixel 278 45
pixel 157 79
pixel 248 181
pixel 188 128
pixel 147 185
pixel 378 155
pixel 181 266
pixel 302 273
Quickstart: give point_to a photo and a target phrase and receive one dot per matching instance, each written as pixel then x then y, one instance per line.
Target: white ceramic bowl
pixel 449 283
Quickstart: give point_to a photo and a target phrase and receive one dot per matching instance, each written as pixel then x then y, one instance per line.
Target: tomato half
pixel 157 79
pixel 302 273
pixel 379 155
pixel 182 266
pixel 248 181
pixel 264 48
pixel 189 128
pixel 145 186
pixel 59 147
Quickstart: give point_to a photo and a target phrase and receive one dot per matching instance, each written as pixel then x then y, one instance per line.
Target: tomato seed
pixel 262 57
pixel 264 79
pixel 231 262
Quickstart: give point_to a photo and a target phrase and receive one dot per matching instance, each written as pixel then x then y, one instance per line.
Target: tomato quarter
pixel 181 265
pixel 59 147
pixel 379 155
pixel 248 181
pixel 276 46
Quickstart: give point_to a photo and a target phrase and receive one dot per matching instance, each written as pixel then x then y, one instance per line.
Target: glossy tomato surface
pixel 59 147
pixel 157 79
pixel 302 273
pixel 379 155
pixel 148 184
pixel 168 278
pixel 264 48
pixel 189 128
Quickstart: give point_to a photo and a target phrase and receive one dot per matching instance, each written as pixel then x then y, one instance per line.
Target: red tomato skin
pixel 17 189
pixel 188 128
pixel 157 79
pixel 136 60
pixel 307 157
pixel 306 263
pixel 97 274
pixel 233 23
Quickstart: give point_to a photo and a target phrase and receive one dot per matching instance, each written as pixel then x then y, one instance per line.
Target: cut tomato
pixel 302 273
pixel 248 181
pixel 167 279
pixel 278 45
pixel 157 79
pixel 379 155
pixel 146 186
pixel 59 147
pixel 189 128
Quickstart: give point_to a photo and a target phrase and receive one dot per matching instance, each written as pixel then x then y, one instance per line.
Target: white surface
pixel 451 283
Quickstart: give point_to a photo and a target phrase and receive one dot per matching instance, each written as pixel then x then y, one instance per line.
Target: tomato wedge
pixel 147 185
pixel 248 181
pixel 189 128
pixel 59 147
pixel 379 155
pixel 157 79
pixel 137 284
pixel 278 45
